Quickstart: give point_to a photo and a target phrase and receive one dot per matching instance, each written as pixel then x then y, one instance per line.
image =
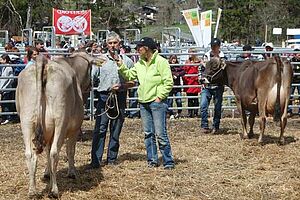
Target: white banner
pixel 206 18
pixel 192 19
pixel 218 21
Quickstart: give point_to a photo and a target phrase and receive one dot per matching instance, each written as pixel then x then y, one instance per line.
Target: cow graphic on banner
pixel 68 22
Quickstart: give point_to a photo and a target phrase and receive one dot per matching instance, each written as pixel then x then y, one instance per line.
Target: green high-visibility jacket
pixel 155 78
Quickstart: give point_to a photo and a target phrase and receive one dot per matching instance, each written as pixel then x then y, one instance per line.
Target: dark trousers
pixel 8 107
pixel 101 127
pixel 193 102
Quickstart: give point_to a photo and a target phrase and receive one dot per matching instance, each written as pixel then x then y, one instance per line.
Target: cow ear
pixel 99 60
pixel 223 63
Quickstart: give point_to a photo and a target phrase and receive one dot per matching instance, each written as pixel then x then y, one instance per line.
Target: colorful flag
pixel 192 19
pixel 205 24
pixel 69 22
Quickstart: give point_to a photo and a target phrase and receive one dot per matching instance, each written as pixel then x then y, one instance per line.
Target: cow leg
pixel 244 135
pixel 71 143
pixel 54 153
pixel 251 121
pixel 47 168
pixel 262 119
pixel 31 159
pixel 283 121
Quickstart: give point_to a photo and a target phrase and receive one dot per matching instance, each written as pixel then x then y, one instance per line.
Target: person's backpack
pixel 17 60
pixel 16 70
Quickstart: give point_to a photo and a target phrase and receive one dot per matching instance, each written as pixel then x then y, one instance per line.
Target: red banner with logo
pixel 69 22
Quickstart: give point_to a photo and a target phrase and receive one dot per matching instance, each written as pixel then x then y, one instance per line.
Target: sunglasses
pixel 112 42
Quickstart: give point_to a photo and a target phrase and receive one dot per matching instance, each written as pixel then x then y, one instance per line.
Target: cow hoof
pixel 260 141
pixel 245 137
pixel 46 177
pixel 72 176
pixel 281 141
pixel 72 173
pixel 35 195
pixel 32 194
pixel 53 195
pixel 250 135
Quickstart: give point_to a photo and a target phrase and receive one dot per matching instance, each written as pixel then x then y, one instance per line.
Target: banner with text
pixel 192 19
pixel 206 18
pixel 67 22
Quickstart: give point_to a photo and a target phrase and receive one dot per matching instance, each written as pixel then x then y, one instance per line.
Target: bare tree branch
pixel 29 14
pixel 13 10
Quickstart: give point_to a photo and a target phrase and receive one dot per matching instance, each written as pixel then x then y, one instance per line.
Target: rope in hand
pixel 110 104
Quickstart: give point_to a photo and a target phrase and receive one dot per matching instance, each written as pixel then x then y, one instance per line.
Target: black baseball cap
pixel 215 42
pixel 247 47
pixel 146 41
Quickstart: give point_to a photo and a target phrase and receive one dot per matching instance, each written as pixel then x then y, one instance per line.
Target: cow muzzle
pixel 204 80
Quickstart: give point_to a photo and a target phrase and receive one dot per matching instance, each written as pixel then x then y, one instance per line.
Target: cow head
pixel 82 63
pixel 214 69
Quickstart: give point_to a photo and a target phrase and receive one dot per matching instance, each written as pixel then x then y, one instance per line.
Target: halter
pixel 222 66
pixel 110 104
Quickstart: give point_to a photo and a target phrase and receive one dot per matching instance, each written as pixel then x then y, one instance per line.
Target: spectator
pixel 155 78
pixel 15 59
pixel 25 59
pixel 191 79
pixel 210 91
pixel 39 45
pixel 132 93
pixel 110 85
pixel 96 49
pixel 296 79
pixel 5 85
pixel 8 47
pixel 268 47
pixel 32 53
pixel 246 56
pixel 177 73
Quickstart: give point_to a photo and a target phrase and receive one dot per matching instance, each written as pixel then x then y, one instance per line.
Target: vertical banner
pixel 68 22
pixel 192 19
pixel 218 21
pixel 206 18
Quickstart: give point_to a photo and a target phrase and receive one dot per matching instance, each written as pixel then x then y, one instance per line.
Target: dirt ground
pixel 207 166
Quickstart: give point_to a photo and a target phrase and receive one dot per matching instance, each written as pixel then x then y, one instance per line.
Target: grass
pixel 207 166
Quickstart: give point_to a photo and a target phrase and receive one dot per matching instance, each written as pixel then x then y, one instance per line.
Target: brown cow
pixel 256 86
pixel 50 105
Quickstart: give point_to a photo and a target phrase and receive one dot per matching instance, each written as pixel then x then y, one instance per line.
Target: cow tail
pixel 279 67
pixel 41 79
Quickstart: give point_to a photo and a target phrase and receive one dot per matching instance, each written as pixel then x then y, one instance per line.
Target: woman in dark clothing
pixel 177 73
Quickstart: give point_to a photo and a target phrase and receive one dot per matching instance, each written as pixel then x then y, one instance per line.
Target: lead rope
pixel 109 106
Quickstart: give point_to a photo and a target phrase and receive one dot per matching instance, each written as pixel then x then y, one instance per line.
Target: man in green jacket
pixel 155 82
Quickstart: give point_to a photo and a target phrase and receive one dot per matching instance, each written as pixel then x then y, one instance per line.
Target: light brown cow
pixel 259 87
pixel 50 105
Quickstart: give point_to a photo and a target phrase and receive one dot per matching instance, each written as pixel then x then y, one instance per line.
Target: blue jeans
pixel 177 100
pixel 206 95
pixel 101 126
pixel 153 116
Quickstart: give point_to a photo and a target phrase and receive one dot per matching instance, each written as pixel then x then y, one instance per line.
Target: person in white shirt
pixel 210 91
